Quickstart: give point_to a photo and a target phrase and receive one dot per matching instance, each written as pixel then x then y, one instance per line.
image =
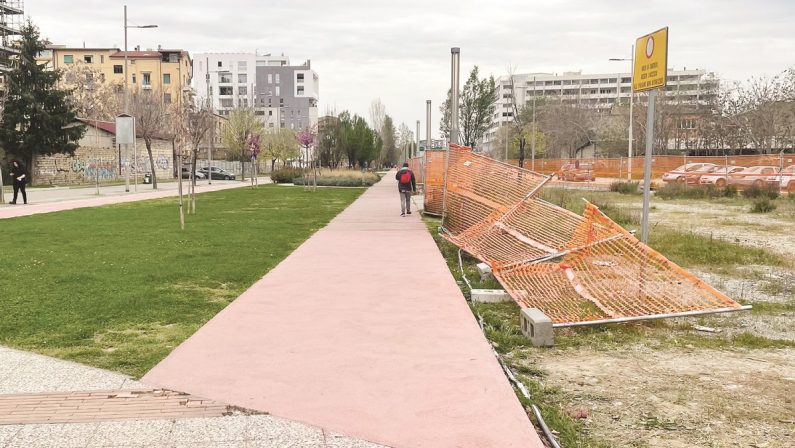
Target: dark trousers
pixel 17 189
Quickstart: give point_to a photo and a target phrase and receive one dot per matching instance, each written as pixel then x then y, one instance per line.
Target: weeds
pixel 763 205
pixel 682 191
pixel 761 191
pixel 625 187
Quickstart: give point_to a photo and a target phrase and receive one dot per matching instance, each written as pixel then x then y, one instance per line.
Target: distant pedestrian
pixel 20 178
pixel 406 185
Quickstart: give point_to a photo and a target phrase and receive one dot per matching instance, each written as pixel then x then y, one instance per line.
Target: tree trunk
pixel 152 163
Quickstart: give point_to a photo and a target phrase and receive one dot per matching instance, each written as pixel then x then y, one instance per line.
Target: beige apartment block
pixel 162 70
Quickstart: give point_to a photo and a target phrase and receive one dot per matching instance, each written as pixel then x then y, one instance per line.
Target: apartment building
pixel 165 70
pixel 281 94
pixel 599 91
pixel 11 16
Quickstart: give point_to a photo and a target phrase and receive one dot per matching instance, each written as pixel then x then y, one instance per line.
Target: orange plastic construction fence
pixel 661 164
pixel 573 268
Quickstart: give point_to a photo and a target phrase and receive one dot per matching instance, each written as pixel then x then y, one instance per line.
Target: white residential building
pixel 601 91
pixel 281 94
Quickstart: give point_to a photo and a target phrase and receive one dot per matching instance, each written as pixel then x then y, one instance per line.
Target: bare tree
pixel 191 126
pixel 377 115
pixel 151 120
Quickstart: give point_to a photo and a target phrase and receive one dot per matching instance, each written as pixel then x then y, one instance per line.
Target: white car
pixel 753 176
pixel 784 180
pixel 678 175
pixel 719 177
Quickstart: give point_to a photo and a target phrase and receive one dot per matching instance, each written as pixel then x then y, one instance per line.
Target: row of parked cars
pixel 203 173
pixel 739 176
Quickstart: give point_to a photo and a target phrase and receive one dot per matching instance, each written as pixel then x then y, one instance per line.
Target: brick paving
pixel 80 407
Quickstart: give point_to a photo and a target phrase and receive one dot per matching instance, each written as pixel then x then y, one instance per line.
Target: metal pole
pixel 533 141
pixel 126 146
pixel 2 197
pixel 417 148
pixel 212 129
pixel 428 125
pixel 652 317
pixel 454 77
pixel 644 225
pixel 631 115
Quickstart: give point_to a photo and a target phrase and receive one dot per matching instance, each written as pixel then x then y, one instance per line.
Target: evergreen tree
pixel 37 114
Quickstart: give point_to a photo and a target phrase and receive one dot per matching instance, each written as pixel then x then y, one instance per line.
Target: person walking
pixel 20 178
pixel 406 185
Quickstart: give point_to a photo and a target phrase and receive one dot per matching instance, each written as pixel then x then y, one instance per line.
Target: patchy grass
pixel 119 287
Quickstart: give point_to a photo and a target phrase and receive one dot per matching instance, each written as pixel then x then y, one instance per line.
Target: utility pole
pixel 428 145
pixel 533 140
pixel 417 148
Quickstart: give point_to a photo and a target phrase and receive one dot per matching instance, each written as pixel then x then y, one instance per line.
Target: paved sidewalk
pixel 361 330
pixel 48 200
pixel 48 402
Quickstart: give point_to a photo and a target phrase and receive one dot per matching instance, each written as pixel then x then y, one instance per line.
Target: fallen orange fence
pixel 573 268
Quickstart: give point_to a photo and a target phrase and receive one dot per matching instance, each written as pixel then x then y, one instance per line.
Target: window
pixel 147 79
pixel 278 90
pixel 242 90
pixel 277 78
pixel 102 59
pixel 68 59
pixel 270 78
pixel 300 77
pixel 173 58
pixel 626 80
pixel 613 80
pixel 133 78
pixel 118 69
pixel 88 59
pixel 242 65
pixel 242 78
pixel 166 98
pixel 270 113
pixel 225 91
pixel 300 90
pixel 220 64
pixel 225 78
pixel 226 102
pixel 166 78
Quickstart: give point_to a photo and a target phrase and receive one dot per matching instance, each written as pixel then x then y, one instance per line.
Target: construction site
pixel 684 341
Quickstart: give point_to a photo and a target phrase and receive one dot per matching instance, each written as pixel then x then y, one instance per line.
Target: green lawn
pixel 119 287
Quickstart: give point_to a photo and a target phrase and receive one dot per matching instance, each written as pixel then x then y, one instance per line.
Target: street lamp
pixel 631 101
pixel 126 111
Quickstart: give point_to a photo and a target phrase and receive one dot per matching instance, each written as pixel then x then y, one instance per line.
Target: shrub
pixel 682 191
pixel 337 181
pixel 761 191
pixel 624 187
pixel 763 205
pixel 286 175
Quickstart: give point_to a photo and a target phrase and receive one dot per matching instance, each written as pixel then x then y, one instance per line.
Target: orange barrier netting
pixel 661 164
pixel 417 166
pixel 573 268
pixel 433 180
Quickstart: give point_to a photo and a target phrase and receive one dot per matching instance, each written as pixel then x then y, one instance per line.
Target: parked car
pixel 693 177
pixel 785 180
pixel 197 174
pixel 576 172
pixel 217 173
pixel 753 175
pixel 678 175
pixel 719 176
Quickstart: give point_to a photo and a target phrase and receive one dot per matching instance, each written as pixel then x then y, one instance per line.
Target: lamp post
pixel 631 102
pixel 126 93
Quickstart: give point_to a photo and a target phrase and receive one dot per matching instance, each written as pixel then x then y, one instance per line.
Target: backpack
pixel 405 177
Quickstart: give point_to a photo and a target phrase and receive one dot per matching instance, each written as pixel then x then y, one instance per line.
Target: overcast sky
pixel 399 50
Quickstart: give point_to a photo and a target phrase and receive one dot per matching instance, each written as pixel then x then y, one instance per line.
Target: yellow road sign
pixel 651 61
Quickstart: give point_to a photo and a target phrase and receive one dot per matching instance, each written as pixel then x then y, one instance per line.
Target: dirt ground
pixel 672 397
pixel 638 397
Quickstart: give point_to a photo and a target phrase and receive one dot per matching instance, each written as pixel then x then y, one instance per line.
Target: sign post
pixel 650 73
pixel 125 135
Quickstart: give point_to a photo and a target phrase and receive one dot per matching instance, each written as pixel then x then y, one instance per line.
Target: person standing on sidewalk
pixel 20 178
pixel 406 185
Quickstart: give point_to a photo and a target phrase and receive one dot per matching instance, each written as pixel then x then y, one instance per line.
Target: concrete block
pixel 490 295
pixel 485 271
pixel 537 327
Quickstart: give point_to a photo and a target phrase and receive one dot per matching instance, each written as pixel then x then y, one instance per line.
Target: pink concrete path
pixel 14 211
pixel 363 331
